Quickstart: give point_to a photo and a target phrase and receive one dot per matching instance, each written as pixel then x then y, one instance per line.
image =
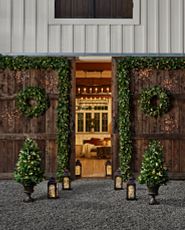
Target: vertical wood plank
pixel 128 39
pixel 30 26
pixel 116 38
pixel 139 39
pixel 115 133
pixel 72 119
pixel 163 26
pixel 103 39
pixel 42 26
pixel 182 156
pixel 175 156
pixel 152 26
pixel 144 22
pixel 17 25
pixel 5 25
pixel 79 38
pixel 67 38
pixel 54 38
pixel 91 39
pixel 176 26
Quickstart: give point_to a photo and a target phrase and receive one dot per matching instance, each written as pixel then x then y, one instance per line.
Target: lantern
pixel 78 169
pixel 66 180
pixel 131 189
pixel 118 180
pixel 52 188
pixel 108 168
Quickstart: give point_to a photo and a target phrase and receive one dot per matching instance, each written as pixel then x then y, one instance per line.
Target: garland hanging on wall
pixel 125 151
pixel 38 95
pixel 154 101
pixel 124 69
pixel 61 65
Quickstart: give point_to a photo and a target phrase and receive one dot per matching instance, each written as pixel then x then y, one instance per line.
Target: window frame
pixel 76 21
pixel 100 112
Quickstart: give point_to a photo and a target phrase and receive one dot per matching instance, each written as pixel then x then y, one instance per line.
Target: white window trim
pixel 135 20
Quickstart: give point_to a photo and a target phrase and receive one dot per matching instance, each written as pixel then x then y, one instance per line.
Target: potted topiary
pixel 153 173
pixel 28 168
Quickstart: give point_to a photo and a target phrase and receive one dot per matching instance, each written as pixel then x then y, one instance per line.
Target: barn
pixel 93 59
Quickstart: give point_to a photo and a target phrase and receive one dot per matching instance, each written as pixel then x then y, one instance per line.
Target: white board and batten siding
pixel 27 26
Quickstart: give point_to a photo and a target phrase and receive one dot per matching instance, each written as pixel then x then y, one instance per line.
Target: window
pixel 114 12
pixel 93 8
pixel 80 122
pixel 92 118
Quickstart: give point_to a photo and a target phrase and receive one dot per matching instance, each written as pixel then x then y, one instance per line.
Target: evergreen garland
pixel 125 148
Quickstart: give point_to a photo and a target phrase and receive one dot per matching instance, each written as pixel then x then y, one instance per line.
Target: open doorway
pixel 93 115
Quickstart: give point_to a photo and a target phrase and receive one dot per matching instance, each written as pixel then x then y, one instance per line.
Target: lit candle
pixel 96 89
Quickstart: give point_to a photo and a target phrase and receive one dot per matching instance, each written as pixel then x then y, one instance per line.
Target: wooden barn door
pixel 169 128
pixel 15 127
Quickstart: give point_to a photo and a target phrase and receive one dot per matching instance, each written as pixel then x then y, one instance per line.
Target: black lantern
pixel 131 189
pixel 108 168
pixel 66 180
pixel 118 180
pixel 52 188
pixel 78 169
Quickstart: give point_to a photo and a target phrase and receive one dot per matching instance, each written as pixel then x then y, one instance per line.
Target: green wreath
pixel 32 101
pixel 154 101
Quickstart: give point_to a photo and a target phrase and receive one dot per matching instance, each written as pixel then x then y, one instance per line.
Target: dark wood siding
pixel 93 8
pixel 15 127
pixel 170 128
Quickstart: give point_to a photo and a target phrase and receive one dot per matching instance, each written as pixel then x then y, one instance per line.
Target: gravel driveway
pixel 92 204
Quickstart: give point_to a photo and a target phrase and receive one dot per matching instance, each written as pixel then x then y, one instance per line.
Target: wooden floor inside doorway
pixel 93 167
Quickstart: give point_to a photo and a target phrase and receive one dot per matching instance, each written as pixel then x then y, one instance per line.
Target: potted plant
pixel 153 173
pixel 28 168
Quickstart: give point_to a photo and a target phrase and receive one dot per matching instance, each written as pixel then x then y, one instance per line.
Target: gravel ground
pixel 92 205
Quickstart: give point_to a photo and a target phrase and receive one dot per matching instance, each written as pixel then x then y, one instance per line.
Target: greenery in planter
pixel 152 170
pixel 32 93
pixel 28 168
pixel 61 65
pixel 156 109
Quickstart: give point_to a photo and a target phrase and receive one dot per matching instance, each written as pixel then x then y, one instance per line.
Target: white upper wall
pixel 26 26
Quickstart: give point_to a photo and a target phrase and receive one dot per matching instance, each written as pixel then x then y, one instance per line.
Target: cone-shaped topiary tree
pixel 28 168
pixel 153 173
pixel 152 169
